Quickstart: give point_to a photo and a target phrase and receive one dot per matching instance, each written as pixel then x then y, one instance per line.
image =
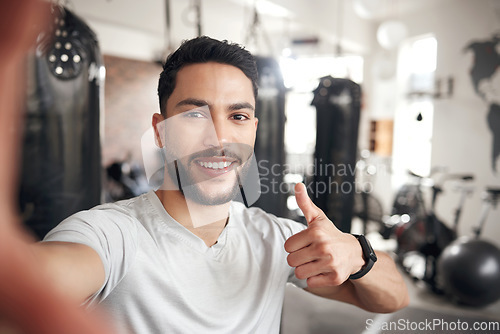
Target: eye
pixel 240 117
pixel 194 114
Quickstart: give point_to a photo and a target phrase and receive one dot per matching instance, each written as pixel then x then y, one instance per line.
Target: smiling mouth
pixel 215 165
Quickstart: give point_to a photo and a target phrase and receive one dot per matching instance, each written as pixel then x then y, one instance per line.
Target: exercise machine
pixel 468 270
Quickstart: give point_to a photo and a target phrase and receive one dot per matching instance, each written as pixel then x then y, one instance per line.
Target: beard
pixel 180 171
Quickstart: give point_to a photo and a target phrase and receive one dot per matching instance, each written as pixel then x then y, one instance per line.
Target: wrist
pixel 368 255
pixel 357 259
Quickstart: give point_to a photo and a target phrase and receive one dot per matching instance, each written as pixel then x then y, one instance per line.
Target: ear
pixel 157 123
pixel 256 122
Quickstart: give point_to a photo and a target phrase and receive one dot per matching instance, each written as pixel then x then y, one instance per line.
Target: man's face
pixel 210 131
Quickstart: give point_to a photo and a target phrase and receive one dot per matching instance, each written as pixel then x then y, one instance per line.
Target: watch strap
pixel 368 255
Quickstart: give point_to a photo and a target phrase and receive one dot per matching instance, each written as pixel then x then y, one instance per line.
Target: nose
pixel 218 133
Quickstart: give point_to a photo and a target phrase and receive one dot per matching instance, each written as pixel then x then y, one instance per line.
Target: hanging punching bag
pixel 61 158
pixel 338 105
pixel 270 142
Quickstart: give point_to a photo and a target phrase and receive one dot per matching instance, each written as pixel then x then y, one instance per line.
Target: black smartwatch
pixel 368 254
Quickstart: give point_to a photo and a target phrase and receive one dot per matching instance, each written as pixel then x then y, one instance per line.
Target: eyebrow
pixel 202 103
pixel 192 102
pixel 241 105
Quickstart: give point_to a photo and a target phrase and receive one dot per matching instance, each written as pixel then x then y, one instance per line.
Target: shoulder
pixel 106 221
pixel 256 219
pixel 124 211
pixel 111 229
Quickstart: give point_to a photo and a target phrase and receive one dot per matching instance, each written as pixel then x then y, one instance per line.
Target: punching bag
pixel 61 158
pixel 338 105
pixel 270 141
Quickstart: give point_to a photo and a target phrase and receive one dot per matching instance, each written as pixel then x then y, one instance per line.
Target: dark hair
pixel 202 50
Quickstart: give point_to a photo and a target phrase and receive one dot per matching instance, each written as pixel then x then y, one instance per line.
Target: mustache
pixel 239 152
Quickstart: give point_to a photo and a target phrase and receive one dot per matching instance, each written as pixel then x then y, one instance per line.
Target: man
pixel 186 258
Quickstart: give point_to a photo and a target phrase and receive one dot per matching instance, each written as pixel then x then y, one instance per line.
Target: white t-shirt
pixel 161 278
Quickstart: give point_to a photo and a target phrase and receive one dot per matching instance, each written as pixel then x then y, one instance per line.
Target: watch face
pixel 371 254
pixel 368 252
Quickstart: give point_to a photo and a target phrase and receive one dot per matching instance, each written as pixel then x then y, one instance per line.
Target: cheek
pixel 248 136
pixel 183 140
pixel 182 146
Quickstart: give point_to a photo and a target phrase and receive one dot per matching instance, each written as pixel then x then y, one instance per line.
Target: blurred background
pixel 379 106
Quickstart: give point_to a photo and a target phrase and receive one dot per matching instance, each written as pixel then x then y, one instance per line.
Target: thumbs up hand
pixel 322 254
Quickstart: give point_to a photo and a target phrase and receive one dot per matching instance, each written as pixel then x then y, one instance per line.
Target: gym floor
pixel 304 313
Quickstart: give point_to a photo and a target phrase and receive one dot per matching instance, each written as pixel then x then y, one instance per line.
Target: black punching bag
pixel 338 105
pixel 61 158
pixel 270 142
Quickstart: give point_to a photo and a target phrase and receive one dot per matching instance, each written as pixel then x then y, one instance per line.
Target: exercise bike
pixel 409 204
pixel 422 238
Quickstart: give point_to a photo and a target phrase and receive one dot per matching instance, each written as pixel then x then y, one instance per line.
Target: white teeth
pixel 215 165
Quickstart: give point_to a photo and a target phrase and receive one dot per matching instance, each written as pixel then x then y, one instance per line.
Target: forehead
pixel 209 68
pixel 213 80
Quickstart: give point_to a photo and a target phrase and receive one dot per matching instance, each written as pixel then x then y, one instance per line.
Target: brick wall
pixel 130 101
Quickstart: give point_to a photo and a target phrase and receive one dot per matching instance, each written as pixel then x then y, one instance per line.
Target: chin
pixel 221 195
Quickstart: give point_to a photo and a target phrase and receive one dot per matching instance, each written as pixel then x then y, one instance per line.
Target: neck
pixel 205 221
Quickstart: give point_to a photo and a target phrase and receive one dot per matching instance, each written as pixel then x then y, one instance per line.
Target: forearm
pixel 74 270
pixel 383 289
pixel 30 304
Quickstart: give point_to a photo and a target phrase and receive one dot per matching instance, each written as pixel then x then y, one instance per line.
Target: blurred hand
pixel 28 302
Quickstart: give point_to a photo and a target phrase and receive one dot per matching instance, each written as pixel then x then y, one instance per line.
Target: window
pixel 301 76
pixel 414 115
